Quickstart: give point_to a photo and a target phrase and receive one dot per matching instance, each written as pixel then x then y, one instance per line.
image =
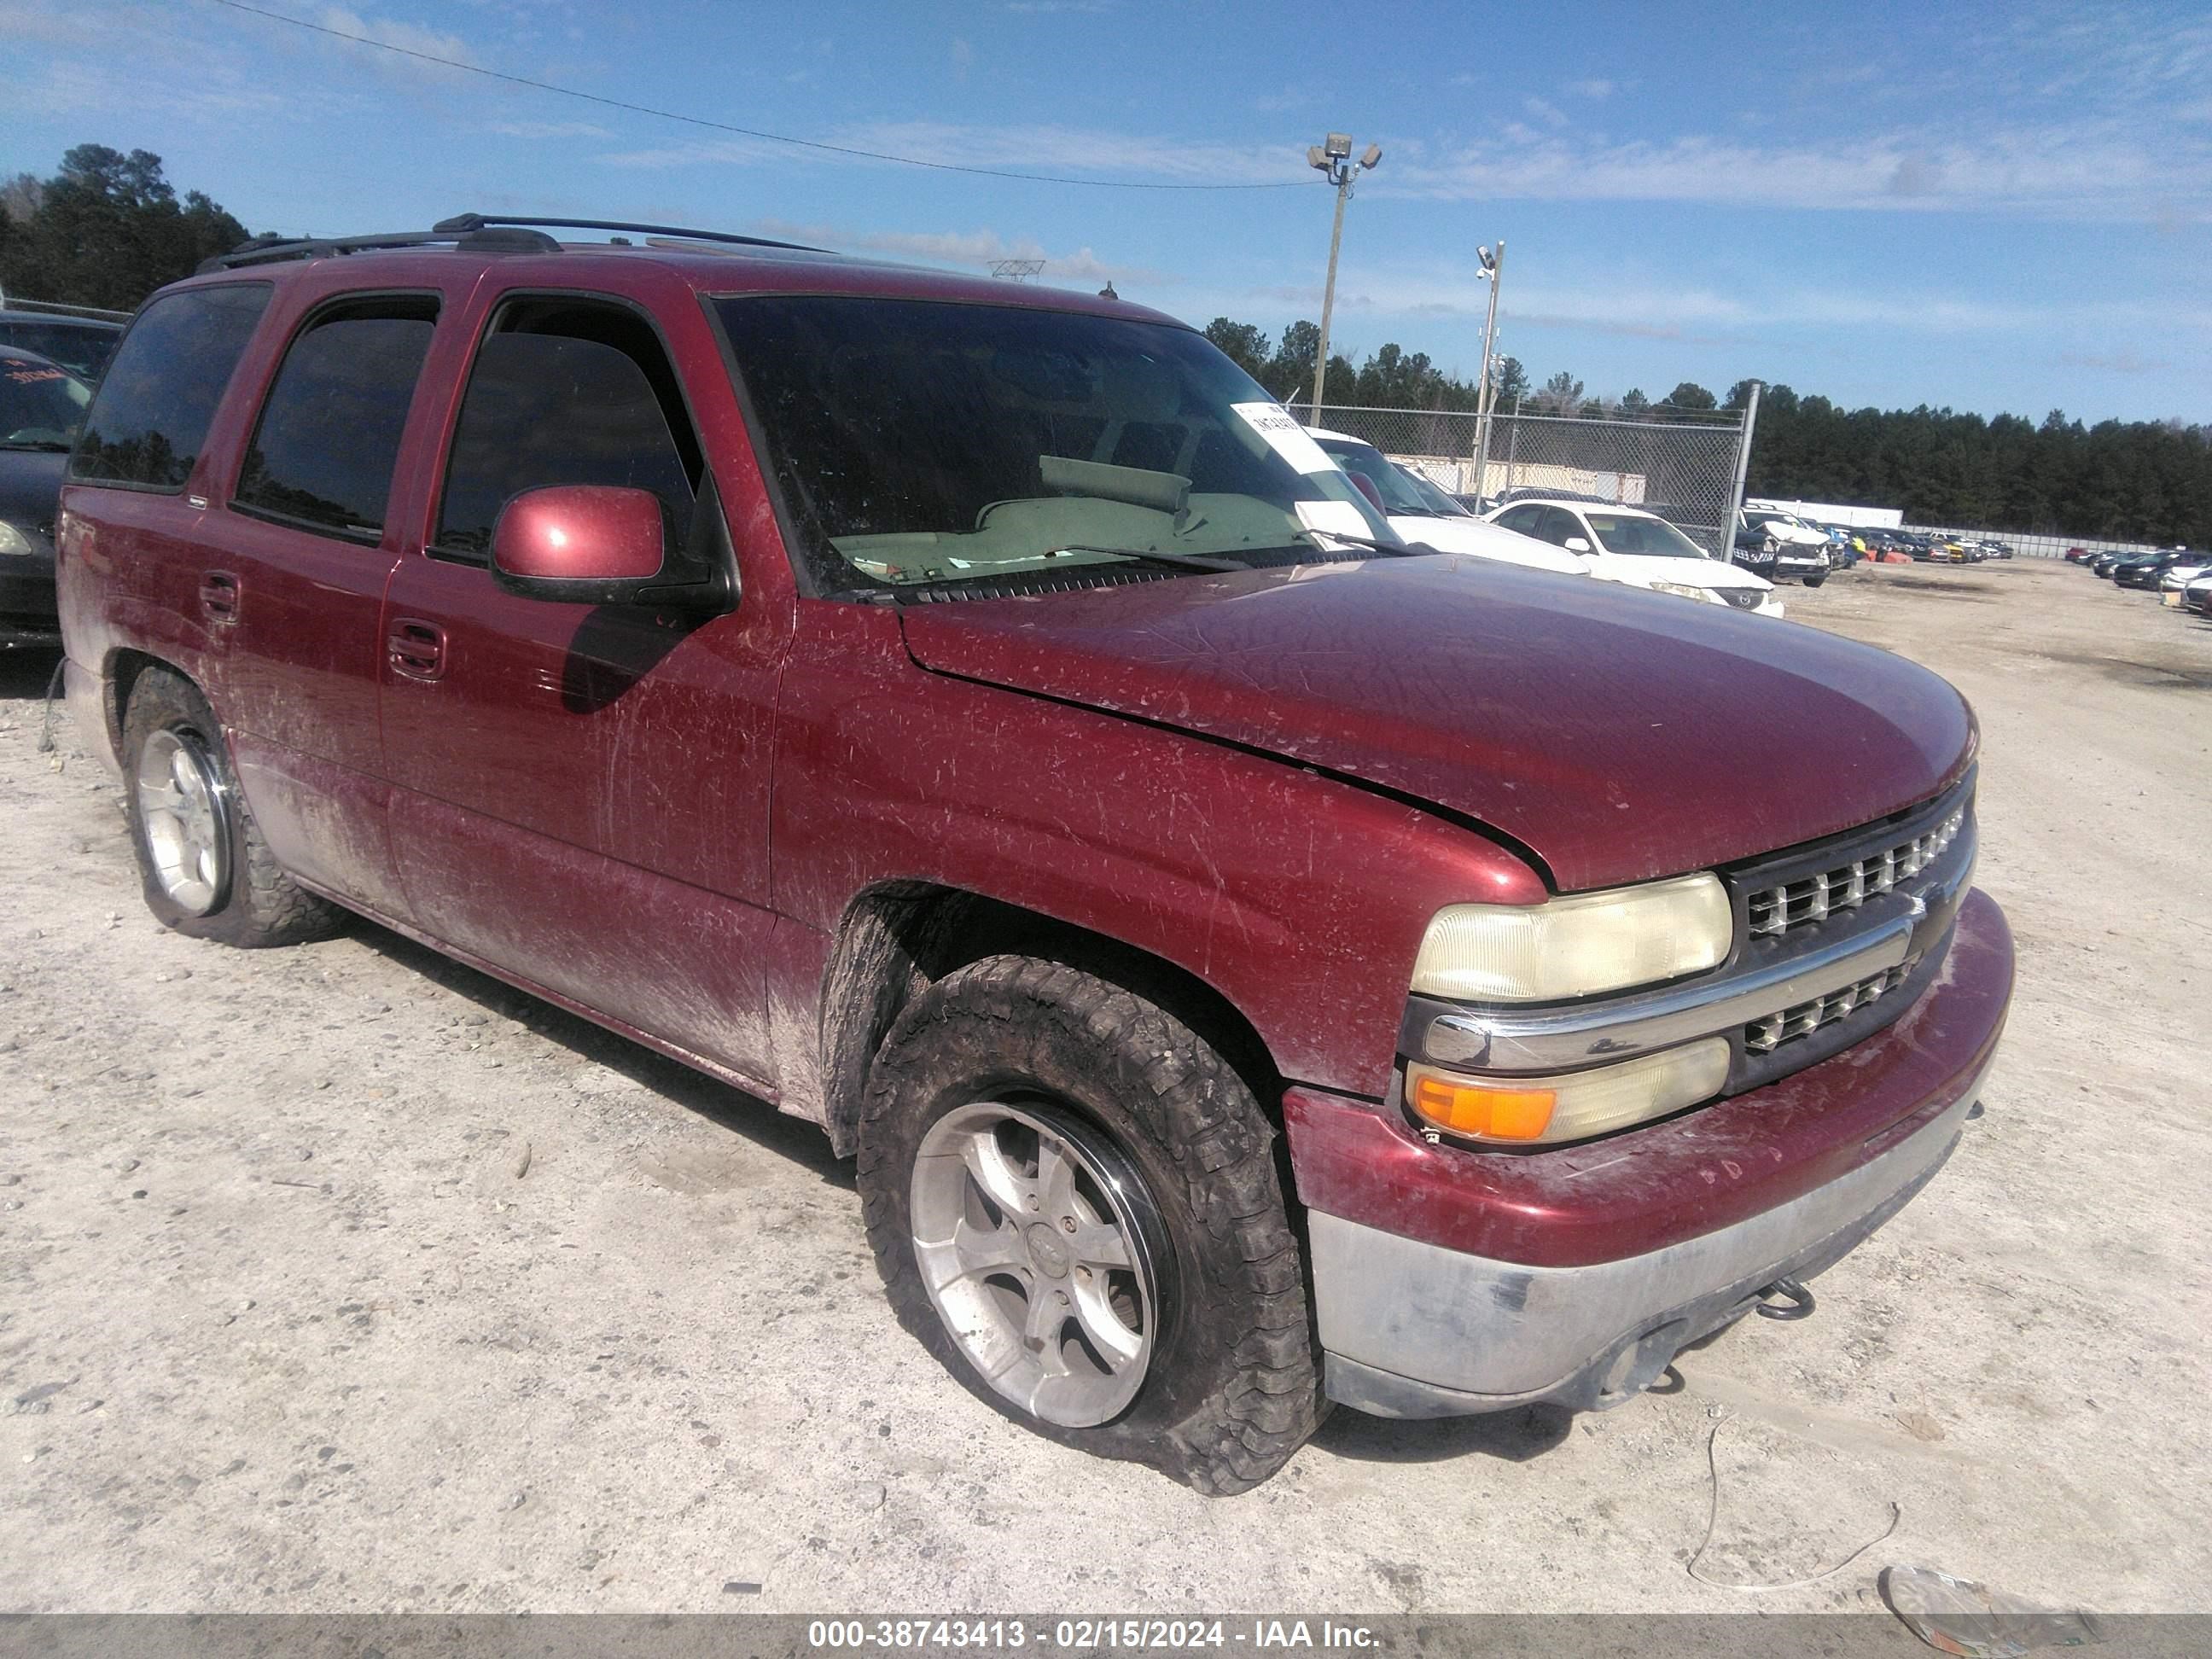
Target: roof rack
pixel 269 250
pixel 489 233
pixel 477 222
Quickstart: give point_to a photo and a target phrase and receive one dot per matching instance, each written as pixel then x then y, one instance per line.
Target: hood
pixel 1486 541
pixel 1801 535
pixel 30 488
pixel 1642 570
pixel 1619 735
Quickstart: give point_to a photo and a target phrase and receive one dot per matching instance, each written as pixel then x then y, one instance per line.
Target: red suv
pixel 1254 963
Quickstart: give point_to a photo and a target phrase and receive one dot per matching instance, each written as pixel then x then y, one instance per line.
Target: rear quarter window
pixel 153 407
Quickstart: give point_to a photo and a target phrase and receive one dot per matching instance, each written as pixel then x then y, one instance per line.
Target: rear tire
pixel 1197 1357
pixel 206 870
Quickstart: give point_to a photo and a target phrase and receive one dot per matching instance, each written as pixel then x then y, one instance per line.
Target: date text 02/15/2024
pixel 1117 1634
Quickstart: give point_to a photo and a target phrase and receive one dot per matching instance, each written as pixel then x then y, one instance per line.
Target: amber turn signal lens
pixel 1474 1108
pixel 1568 1105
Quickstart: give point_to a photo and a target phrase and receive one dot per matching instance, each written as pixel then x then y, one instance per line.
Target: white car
pixel 1421 512
pixel 2178 579
pixel 1627 545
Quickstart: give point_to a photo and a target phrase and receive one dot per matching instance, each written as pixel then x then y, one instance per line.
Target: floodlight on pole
pixel 1331 158
pixel 1492 270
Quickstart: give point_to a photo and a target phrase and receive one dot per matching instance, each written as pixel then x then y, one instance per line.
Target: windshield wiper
pixel 1173 561
pixel 1397 550
pixel 43 446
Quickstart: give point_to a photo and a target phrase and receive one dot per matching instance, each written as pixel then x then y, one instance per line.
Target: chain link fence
pixel 1681 467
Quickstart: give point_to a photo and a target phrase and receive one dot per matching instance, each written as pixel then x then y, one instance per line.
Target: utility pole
pixel 1332 158
pixel 1742 473
pixel 1485 391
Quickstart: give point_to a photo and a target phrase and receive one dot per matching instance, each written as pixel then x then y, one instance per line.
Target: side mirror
pixel 605 544
pixel 1576 545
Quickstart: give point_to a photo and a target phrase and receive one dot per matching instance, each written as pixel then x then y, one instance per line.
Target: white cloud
pixel 1022 149
pixel 1704 315
pixel 549 129
pixel 1592 89
pixel 406 37
pixel 976 249
pixel 2053 171
pixel 1550 113
pixel 2119 362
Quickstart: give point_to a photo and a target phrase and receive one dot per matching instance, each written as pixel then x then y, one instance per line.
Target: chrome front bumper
pixel 1412 1329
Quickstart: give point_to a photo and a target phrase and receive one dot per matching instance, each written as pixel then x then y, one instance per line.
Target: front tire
pixel 1074 1203
pixel 206 871
pixel 1814 581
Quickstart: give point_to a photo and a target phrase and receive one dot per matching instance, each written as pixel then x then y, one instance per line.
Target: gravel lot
pixel 345 1279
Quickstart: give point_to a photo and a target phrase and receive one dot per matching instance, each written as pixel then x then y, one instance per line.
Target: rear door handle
pixel 219 596
pixel 417 649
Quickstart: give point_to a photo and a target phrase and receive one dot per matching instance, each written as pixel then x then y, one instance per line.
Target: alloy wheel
pixel 1039 1248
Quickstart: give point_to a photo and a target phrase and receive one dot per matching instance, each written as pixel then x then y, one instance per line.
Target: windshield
pixel 1392 487
pixel 1624 532
pixel 1439 502
pixel 82 348
pixel 919 443
pixel 40 405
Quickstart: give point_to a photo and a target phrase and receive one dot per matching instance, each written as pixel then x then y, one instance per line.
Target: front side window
pixel 1554 525
pixel 1392 487
pixel 152 412
pixel 1623 533
pixel 328 437
pixel 1438 502
pixel 916 443
pixel 565 392
pixel 41 404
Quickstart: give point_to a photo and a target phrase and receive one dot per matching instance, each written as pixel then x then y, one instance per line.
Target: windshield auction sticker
pixel 1285 436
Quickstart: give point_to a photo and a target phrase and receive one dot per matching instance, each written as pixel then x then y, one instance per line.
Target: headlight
pixel 1684 590
pixel 14 541
pixel 1577 945
pixel 1535 1110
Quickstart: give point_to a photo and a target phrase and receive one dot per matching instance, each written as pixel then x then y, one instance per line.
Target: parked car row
pixel 2180 576
pixel 1251 966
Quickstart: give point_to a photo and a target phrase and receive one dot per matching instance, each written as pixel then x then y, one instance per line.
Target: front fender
pixel 1301 898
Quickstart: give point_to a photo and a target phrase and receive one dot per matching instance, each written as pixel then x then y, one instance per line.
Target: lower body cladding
pixel 1449 1282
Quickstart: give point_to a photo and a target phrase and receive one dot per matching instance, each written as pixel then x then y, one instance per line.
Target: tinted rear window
pixel 152 412
pixel 330 431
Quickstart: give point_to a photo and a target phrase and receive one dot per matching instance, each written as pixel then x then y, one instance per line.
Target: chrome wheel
pixel 186 820
pixel 1037 1243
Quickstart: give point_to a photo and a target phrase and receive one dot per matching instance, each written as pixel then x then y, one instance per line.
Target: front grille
pixel 1763 1036
pixel 1792 904
pixel 1743 598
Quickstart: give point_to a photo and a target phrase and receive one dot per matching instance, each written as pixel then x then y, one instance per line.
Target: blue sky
pixel 1994 207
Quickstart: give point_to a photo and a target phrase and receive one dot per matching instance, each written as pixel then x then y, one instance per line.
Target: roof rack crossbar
pixel 461 222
